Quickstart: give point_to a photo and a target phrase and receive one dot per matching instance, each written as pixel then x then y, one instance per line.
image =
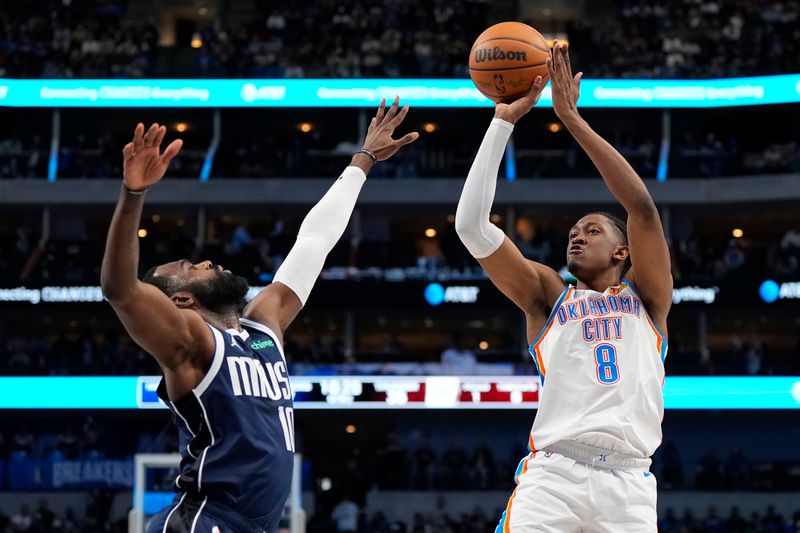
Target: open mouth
pixel 575 250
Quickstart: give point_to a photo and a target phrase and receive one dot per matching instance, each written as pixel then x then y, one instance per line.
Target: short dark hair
pixel 622 228
pixel 161 282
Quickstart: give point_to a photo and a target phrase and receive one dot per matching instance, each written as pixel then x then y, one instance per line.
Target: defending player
pixel 224 369
pixel 599 346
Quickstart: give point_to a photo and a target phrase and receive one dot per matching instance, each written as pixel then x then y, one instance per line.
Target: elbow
pixel 465 228
pixel 109 292
pixel 112 291
pixel 644 209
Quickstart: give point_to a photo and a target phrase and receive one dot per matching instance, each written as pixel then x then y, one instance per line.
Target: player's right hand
pixel 519 108
pixel 379 135
pixel 143 164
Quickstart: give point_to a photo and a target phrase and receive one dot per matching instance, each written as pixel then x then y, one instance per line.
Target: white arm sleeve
pixel 319 232
pixel 478 234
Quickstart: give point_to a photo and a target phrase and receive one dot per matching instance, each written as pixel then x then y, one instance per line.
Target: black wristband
pixel 140 192
pixel 369 153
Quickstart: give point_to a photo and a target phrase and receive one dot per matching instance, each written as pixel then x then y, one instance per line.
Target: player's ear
pixel 622 252
pixel 183 299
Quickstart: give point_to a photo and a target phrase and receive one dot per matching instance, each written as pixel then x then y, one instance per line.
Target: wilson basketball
pixel 505 60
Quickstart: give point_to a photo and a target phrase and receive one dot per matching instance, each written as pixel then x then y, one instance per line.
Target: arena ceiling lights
pixel 438 93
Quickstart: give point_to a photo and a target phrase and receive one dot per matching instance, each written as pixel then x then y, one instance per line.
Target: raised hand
pixel 379 135
pixel 518 108
pixel 566 88
pixel 143 164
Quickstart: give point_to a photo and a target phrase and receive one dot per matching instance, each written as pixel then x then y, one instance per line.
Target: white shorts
pixel 557 494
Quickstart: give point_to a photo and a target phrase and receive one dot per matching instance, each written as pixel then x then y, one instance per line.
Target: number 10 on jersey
pixel 605 356
pixel 286 415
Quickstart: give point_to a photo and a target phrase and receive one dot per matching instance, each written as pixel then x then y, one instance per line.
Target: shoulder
pixel 658 313
pixel 553 286
pixel 253 326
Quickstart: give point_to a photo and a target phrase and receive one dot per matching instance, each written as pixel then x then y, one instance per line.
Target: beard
pixel 221 293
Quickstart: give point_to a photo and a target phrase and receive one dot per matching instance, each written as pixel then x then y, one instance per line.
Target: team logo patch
pixel 267 343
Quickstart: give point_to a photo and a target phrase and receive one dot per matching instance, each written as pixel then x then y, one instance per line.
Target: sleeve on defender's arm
pixel 320 231
pixel 473 226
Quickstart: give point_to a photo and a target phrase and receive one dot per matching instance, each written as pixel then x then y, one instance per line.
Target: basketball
pixel 505 60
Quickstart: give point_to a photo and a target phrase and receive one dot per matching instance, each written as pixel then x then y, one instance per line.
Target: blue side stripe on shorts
pixel 499 528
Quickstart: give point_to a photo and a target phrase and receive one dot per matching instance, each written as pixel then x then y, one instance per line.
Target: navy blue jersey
pixel 236 428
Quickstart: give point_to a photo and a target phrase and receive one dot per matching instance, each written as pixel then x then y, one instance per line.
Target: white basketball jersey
pixel 601 365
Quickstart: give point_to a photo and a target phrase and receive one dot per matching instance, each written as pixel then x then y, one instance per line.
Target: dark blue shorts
pixel 186 515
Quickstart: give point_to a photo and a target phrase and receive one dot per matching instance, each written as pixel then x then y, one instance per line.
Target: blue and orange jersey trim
pixel 533 349
pixel 661 339
pixel 505 521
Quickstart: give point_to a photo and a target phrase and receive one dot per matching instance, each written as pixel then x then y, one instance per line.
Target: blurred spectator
pixel 712 523
pixel 22 441
pixel 22 521
pixel 43 517
pixel 709 472
pixel 457 359
pixel 672 466
pixel 422 466
pixel 531 243
pixel 345 514
pixel 737 470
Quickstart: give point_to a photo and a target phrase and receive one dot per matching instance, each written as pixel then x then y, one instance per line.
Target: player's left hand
pixel 143 165
pixel 565 88
pixel 379 135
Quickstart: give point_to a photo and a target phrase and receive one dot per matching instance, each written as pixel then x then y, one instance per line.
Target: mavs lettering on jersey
pixel 236 428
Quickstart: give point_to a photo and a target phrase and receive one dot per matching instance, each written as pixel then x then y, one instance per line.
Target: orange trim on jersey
pixel 531 446
pixel 540 361
pixel 507 525
pixel 659 338
pixel 551 321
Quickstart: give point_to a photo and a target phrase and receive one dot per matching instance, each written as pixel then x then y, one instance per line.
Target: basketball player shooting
pixel 224 370
pixel 599 346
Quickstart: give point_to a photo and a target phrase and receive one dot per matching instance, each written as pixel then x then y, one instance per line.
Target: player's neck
pixel 600 282
pixel 226 319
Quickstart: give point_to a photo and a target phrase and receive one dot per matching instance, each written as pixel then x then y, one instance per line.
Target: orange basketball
pixel 505 60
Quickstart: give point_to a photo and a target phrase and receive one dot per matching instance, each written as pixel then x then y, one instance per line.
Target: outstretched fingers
pixel 150 136
pixel 171 151
pixel 551 70
pixel 408 138
pixel 565 55
pixel 398 118
pixel 138 136
pixel 381 111
pixel 160 133
pixel 393 109
pixel 128 150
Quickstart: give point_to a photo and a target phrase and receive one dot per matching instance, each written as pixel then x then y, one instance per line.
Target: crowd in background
pixel 349 518
pixel 41 518
pixel 73 39
pixel 369 38
pixel 479 521
pixel 111 352
pixel 295 154
pixel 689 39
pixel 255 248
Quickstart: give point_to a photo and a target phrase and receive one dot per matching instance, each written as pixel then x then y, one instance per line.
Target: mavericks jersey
pixel 601 364
pixel 236 428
